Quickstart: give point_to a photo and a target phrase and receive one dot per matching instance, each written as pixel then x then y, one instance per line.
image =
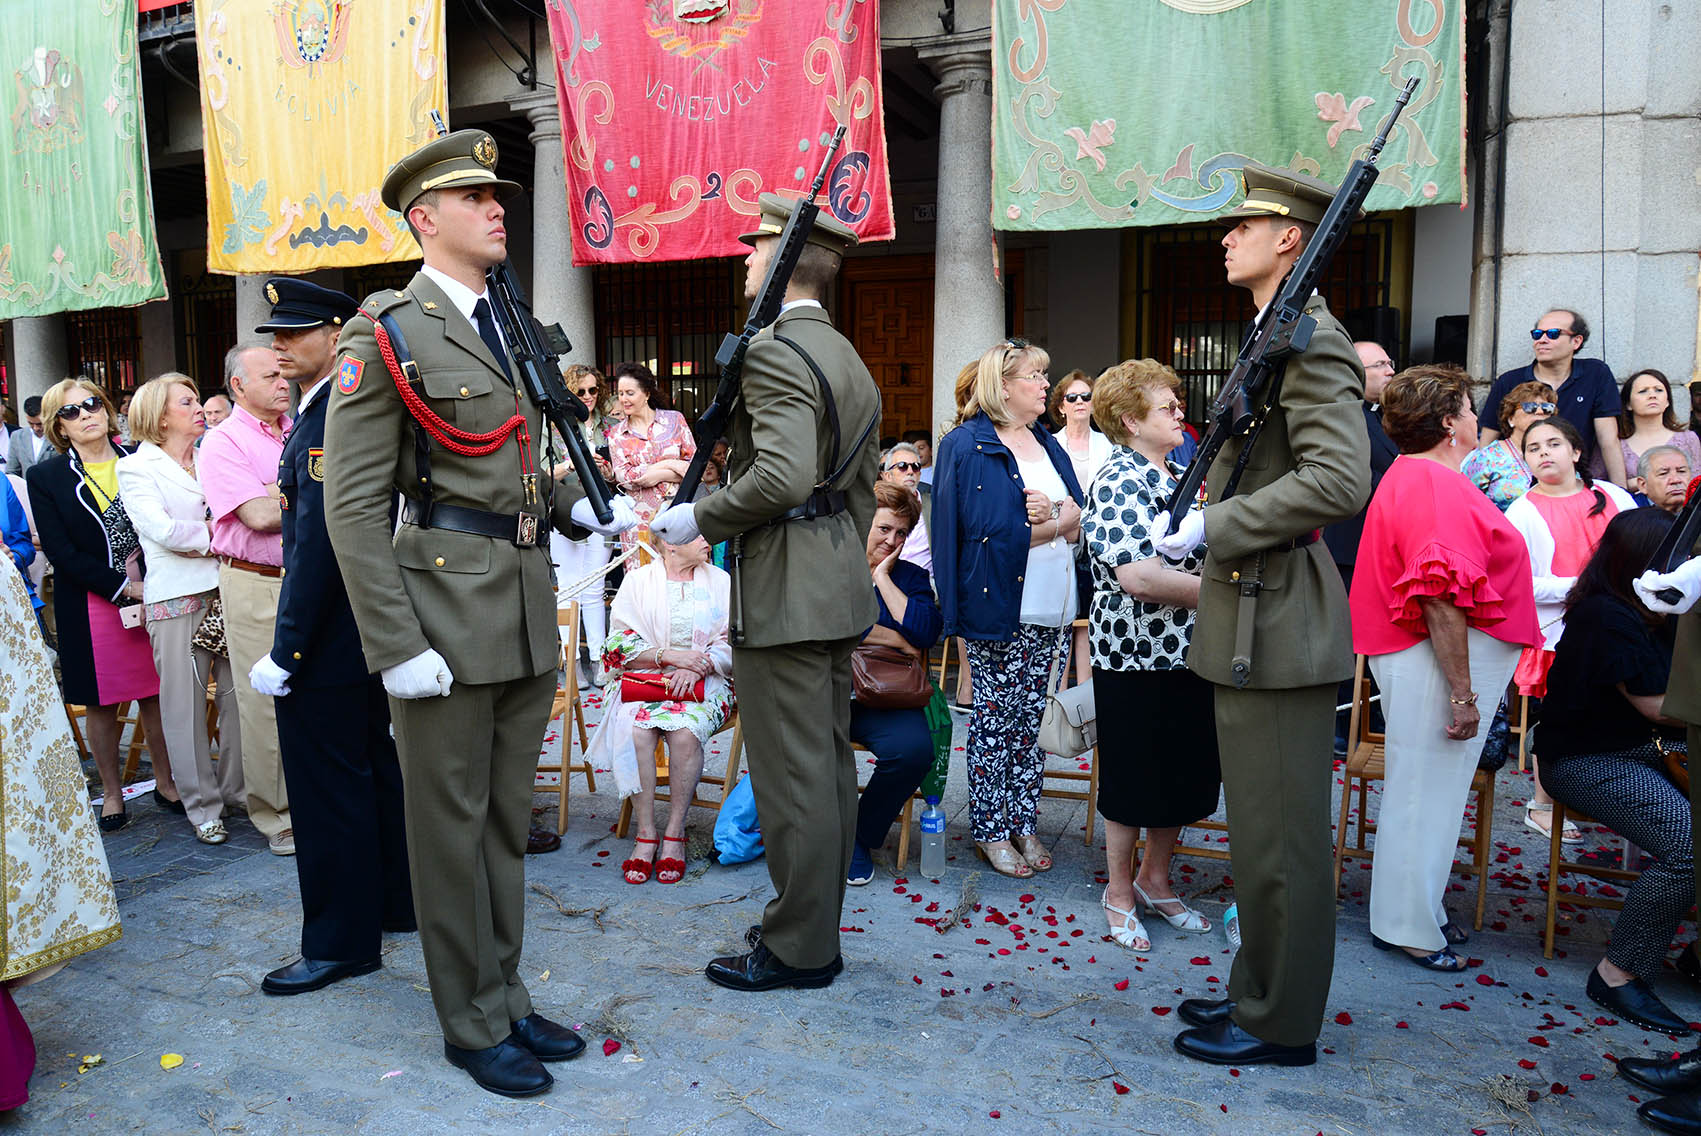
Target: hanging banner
pixel 1200 86
pixel 304 106
pixel 76 218
pixel 678 114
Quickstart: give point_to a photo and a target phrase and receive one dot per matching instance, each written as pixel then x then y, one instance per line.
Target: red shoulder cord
pixel 1693 486
pixel 450 437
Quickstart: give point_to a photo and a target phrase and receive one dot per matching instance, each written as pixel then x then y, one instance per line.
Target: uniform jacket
pixel 485 604
pixel 1309 467
pixel 170 515
pixel 1342 537
pixel 1683 692
pixel 800 580
pixel 315 638
pixel 980 532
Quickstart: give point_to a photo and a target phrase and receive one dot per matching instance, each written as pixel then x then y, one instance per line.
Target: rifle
pixel 1676 545
pixel 536 350
pixel 1282 330
pixel 711 424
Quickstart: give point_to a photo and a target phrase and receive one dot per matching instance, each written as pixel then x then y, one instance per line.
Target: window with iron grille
pixel 105 345
pixel 671 318
pixel 206 326
pixel 1187 315
pixel 369 278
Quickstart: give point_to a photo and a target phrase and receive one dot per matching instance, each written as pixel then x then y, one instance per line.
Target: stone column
pixel 968 299
pixel 39 354
pixel 252 310
pixel 560 291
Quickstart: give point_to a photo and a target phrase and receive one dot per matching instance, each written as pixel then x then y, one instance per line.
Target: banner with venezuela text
pixel 304 106
pixel 1143 113
pixel 678 114
pixel 76 216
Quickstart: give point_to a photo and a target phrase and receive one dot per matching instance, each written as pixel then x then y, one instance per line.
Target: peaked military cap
pixel 1271 192
pixel 300 304
pixel 828 232
pixel 466 157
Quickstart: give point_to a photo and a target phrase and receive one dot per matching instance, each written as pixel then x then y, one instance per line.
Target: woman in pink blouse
pixel 650 449
pixel 1442 604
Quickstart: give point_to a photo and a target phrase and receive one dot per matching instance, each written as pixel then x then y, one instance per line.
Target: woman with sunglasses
pixel 575 559
pixel 1498 468
pixel 1647 420
pixel 87 536
pixel 1088 450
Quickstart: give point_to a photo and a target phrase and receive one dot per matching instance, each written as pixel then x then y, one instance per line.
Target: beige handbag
pixel 1068 726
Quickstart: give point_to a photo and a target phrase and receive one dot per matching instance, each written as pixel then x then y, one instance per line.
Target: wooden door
pixel 886 306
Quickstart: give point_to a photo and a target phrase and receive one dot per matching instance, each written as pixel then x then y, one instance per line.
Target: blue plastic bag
pixel 738 834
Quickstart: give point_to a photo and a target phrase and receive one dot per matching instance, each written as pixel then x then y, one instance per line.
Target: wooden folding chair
pixel 725 781
pixel 1090 775
pixel 1557 864
pixel 569 710
pixel 129 714
pixel 1365 763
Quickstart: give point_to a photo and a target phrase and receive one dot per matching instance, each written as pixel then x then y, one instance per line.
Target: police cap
pixel 300 304
pixel 466 157
pixel 828 232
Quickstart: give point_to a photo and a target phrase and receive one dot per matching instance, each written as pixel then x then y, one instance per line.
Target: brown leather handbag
pixel 885 678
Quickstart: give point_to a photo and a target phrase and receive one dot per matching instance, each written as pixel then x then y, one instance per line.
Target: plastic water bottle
pixel 933 839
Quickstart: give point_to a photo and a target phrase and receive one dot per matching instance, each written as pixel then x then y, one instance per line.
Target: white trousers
pixel 573 559
pixel 1428 779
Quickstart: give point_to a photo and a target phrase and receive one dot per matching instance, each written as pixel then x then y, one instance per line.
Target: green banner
pixel 76 215
pixel 1109 113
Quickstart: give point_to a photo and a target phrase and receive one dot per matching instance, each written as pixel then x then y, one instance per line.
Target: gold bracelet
pixel 1471 701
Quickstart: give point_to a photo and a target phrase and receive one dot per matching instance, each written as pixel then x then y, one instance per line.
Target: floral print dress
pixel 701 718
pixel 632 453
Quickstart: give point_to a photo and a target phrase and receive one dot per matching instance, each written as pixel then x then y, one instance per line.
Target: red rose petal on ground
pixel 610 1047
pixel 993 1114
pixel 1200 961
pixel 1234 1072
pixel 1558 1089
pixel 1526 1063
pixel 1401 1025
pixel 1224 1107
pixel 1123 985
pixel 1484 980
pixel 1585 1076
pixel 1541 1041
pixel 1160 1011
pixel 1025 898
pixel 1343 1019
pixel 1119 1087
pixel 1541 972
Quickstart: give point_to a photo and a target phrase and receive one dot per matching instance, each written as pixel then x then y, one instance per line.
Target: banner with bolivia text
pixel 678 114
pixel 304 106
pixel 1142 113
pixel 76 217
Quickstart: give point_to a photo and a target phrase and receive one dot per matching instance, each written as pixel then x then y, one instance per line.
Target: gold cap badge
pixel 271 294
pixel 484 151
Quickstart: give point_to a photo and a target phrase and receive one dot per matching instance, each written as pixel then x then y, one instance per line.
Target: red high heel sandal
pixel 671 869
pixel 635 866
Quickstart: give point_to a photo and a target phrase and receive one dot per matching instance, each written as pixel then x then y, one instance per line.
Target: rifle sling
pixel 825 501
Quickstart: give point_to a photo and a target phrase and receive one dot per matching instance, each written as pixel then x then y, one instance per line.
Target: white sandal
pixel 1125 936
pixel 1186 919
pixel 1570 834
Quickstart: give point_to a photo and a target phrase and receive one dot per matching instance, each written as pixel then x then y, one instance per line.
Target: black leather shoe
pixel 753 937
pixel 1635 1002
pixel 507 1069
pixel 1688 965
pixel 1204 1011
pixel 541 840
pixel 1227 1044
pixel 1679 1114
pixel 761 969
pixel 305 975
pixel 1680 1074
pixel 547 1040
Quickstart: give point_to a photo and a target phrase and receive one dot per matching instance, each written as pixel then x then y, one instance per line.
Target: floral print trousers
pixel 1005 765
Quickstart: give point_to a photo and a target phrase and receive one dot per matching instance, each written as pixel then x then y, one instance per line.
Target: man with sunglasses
pixel 902 465
pixel 1588 394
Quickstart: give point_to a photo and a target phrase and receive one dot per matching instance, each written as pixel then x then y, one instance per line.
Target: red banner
pixel 678 114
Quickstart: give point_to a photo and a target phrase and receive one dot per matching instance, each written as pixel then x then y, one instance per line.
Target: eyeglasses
pixel 1536 333
pixel 72 410
pixel 1088 397
pixel 1173 408
pixel 1016 344
pixel 1380 365
pixel 905 467
pixel 1537 407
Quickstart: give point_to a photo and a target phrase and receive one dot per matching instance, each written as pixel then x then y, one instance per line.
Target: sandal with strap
pixel 1186 919
pixel 1005 860
pixel 671 869
pixel 1032 849
pixel 1443 960
pixel 1132 933
pixel 1570 834
pixel 636 866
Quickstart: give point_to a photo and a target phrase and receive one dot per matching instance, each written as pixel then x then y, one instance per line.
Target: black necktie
pixel 486 325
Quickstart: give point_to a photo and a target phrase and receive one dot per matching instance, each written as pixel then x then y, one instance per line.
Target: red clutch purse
pixel 651 686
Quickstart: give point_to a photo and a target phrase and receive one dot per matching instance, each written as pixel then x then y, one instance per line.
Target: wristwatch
pixel 1056 509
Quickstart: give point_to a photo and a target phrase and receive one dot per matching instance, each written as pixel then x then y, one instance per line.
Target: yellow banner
pixel 304 105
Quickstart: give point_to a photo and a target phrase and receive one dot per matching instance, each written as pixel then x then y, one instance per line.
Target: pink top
pixel 1430 532
pixel 632 453
pixel 1575 533
pixel 238 462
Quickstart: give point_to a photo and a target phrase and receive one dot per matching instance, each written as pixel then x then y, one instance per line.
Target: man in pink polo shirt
pixel 239 475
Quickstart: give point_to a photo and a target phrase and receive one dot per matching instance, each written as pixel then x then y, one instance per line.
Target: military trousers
pixel 469 761
pixel 350 840
pixel 794 703
pixel 1276 749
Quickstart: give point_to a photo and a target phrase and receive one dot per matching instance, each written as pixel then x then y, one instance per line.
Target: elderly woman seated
pixel 670 665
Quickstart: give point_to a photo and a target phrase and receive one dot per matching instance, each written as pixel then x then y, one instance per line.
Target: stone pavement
pixel 1027 1020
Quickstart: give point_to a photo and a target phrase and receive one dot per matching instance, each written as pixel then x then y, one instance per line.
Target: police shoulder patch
pixel 348 374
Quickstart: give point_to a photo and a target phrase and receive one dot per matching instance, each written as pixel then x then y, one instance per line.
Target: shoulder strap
pixel 838 467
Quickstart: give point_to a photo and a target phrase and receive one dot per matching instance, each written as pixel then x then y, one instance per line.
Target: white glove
pixel 268 678
pixel 625 516
pixel 426 675
pixel 677 524
pixel 1686 580
pixel 1188 535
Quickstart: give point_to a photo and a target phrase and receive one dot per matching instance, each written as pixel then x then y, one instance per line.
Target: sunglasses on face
pixel 75 409
pixel 1171 408
pixel 1078 397
pixel 905 467
pixel 1536 333
pixel 1537 407
pixel 584 391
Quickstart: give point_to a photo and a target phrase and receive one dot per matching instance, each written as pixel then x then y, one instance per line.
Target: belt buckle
pixel 526 534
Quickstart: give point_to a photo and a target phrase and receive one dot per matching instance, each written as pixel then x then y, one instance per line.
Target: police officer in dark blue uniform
pixel 339 760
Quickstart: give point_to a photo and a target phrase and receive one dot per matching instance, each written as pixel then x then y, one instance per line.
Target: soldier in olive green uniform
pixel 802 597
pixel 1309 467
pixel 457 611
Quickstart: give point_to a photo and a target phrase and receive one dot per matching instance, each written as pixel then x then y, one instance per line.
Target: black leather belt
pixel 821 503
pixel 1311 537
pixel 519 529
